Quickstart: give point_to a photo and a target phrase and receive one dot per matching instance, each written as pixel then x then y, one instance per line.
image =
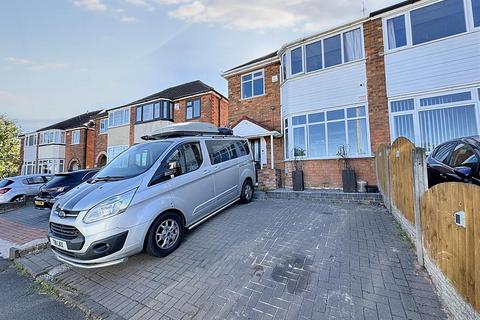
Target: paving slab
pixel 270 259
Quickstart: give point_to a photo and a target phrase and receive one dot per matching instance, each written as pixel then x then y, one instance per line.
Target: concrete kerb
pixel 36 245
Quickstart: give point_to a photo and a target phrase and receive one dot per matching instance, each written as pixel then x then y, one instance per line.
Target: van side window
pixel 242 146
pixel 188 157
pixel 221 151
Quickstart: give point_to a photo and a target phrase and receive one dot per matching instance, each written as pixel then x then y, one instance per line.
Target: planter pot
pixel 349 180
pixel 297 180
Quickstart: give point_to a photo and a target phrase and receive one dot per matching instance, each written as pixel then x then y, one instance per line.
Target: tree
pixel 9 147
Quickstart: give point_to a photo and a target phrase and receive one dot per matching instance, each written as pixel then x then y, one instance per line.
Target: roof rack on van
pixel 186 129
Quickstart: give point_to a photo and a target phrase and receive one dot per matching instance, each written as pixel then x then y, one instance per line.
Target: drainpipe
pixel 219 110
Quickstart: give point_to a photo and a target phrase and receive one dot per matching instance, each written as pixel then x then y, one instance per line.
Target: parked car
pixel 455 161
pixel 147 196
pixel 59 185
pixel 17 188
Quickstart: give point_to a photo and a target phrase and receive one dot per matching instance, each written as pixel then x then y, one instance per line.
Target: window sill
pixel 329 158
pixel 252 97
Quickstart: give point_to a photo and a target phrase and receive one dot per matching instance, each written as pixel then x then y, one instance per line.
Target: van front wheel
pixel 247 192
pixel 165 235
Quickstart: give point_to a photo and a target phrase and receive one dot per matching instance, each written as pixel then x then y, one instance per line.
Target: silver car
pixel 15 189
pixel 147 197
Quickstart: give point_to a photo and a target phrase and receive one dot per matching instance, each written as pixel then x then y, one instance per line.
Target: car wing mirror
pixel 463 171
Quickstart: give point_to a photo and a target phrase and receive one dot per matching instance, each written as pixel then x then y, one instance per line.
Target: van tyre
pixel 247 192
pixel 165 235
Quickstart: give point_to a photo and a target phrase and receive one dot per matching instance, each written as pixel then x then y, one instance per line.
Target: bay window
pixel 313 53
pixel 160 110
pixel 253 84
pixel 118 118
pixel 431 120
pixel 52 137
pixel 320 134
pixel 50 166
pixel 333 51
pixel 114 151
pixel 296 62
pixel 476 12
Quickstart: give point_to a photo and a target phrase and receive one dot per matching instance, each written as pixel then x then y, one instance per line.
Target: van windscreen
pixel 134 161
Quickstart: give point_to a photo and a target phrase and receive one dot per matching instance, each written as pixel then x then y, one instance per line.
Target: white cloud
pixel 142 3
pixel 92 5
pixel 35 66
pixel 306 15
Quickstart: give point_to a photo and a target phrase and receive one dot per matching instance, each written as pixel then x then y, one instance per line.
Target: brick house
pixel 360 85
pixel 63 146
pixel 192 101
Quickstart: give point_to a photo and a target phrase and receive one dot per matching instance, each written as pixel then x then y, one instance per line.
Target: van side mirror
pixel 172 169
pixel 463 172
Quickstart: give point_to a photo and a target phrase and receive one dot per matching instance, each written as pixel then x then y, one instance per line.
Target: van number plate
pixel 58 243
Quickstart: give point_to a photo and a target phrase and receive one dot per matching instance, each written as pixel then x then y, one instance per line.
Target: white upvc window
pixel 75 137
pixel 253 84
pixel 52 137
pixel 28 167
pixel 31 140
pixel 429 120
pixel 103 126
pixel 118 118
pixel 319 135
pixel 331 51
pixel 51 166
pixel 430 22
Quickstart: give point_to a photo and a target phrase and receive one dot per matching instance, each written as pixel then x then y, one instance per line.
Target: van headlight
pixel 110 207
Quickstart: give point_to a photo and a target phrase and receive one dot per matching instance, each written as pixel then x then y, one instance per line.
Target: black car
pixel 61 183
pixel 455 161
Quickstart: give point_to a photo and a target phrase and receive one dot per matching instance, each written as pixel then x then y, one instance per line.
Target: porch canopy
pixel 250 129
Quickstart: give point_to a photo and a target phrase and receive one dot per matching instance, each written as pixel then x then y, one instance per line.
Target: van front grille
pixel 68 232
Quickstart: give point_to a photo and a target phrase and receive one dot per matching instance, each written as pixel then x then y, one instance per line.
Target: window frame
pixel 469 24
pixel 321 39
pixel 125 122
pixel 75 137
pixel 192 106
pixel 49 137
pixel 345 120
pixel 252 80
pixel 417 108
pixel 105 129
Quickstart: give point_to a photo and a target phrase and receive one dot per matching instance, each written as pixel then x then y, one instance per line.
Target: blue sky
pixel 59 58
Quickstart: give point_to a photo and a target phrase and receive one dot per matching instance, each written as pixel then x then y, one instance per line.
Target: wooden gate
pixel 455 249
pixel 401 177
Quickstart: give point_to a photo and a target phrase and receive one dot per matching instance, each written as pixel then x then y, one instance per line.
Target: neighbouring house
pixel 411 70
pixel 66 145
pixel 192 101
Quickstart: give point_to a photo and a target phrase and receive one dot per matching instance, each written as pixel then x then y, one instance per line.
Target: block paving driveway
pixel 281 259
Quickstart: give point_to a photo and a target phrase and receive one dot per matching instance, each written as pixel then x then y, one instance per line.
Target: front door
pixel 256 148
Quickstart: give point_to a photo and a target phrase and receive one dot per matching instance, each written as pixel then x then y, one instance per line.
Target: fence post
pixel 420 185
pixel 387 168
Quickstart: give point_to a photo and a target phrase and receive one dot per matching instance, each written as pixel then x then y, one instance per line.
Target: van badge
pixel 61 214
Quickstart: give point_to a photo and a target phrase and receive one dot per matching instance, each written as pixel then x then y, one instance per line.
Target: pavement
pixel 21 299
pixel 270 259
pixel 22 228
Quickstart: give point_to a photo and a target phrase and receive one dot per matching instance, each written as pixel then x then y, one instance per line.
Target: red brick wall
pixel 257 108
pixel 100 142
pixel 206 109
pixel 90 145
pixel 376 86
pixel 75 151
pixel 219 111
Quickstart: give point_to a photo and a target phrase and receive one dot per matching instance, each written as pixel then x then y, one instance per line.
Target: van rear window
pixel 225 150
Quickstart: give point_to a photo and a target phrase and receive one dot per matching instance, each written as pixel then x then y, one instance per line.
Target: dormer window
pixel 253 84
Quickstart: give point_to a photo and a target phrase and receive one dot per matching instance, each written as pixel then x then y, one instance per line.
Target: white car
pixel 16 189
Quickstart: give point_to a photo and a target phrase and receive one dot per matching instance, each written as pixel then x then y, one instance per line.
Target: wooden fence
pixel 450 251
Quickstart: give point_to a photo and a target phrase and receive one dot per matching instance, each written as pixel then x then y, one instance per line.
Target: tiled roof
pixel 75 122
pixel 265 57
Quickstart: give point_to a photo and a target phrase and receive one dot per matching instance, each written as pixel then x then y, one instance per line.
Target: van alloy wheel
pixel 167 234
pixel 246 194
pixel 248 191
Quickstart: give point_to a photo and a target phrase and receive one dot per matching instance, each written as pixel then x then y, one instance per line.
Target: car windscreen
pixel 63 180
pixel 5 182
pixel 134 161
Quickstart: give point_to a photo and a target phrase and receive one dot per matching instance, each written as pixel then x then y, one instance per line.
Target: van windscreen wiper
pixel 107 178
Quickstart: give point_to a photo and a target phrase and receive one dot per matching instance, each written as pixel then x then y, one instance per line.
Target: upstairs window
pixel 76 137
pixel 438 20
pixel 193 109
pixel 103 126
pixel 52 137
pixel 30 140
pixel 352 45
pixel 154 111
pixel 313 52
pixel 396 32
pixel 253 84
pixel 333 51
pixel 118 118
pixel 476 12
pixel 296 60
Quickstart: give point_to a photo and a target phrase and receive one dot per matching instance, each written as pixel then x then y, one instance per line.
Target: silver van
pixel 147 196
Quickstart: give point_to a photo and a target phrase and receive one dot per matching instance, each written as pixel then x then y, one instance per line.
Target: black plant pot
pixel 297 180
pixel 349 180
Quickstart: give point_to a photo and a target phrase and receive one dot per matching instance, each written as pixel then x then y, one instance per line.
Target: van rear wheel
pixel 165 235
pixel 247 192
